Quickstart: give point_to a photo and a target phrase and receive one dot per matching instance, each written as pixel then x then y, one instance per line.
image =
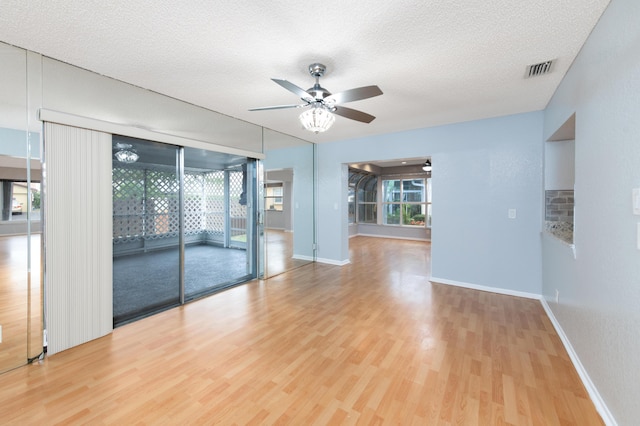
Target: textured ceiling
pixel 436 62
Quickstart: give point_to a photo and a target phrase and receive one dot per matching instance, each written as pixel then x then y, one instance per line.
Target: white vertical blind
pixel 78 231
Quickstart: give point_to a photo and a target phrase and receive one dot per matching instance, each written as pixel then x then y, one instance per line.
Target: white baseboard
pixel 601 407
pixel 333 262
pixel 389 236
pixel 597 400
pixel 301 257
pixel 486 288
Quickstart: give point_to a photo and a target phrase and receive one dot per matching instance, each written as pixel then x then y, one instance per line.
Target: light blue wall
pixel 599 290
pixel 13 143
pixel 481 169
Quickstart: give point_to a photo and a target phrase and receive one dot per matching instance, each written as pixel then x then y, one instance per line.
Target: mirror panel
pixel 13 229
pixel 35 342
pixel 289 202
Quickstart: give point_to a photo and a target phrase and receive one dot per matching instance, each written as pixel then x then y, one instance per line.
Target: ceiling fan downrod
pixel 317 70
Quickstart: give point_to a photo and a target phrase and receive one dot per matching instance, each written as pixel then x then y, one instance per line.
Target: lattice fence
pixel 193 203
pixel 214 204
pixel 146 204
pixel 128 204
pixel 162 207
pixel 237 211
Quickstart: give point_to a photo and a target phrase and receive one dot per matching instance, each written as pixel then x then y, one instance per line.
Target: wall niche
pixel 559 181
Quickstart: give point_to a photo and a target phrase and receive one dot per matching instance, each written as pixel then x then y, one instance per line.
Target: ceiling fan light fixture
pixel 126 154
pixel 317 119
pixel 427 166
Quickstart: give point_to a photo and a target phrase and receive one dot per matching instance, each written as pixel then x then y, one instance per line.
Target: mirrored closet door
pixel 20 201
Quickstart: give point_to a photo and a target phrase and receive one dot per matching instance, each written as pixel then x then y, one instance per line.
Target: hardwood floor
pixel 280 252
pixel 373 342
pixel 13 301
pixel 20 300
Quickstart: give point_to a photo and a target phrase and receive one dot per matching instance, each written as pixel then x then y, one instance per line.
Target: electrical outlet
pixel 557 296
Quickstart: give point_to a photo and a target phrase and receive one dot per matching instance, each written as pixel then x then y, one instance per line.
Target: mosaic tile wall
pixel 559 205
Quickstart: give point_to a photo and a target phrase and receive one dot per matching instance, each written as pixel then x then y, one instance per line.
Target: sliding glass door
pixel 219 221
pixel 183 225
pixel 146 229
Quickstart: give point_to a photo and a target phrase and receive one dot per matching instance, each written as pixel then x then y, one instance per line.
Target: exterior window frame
pixel 274 197
pixel 360 187
pixel 363 190
pixel 428 183
pixel 402 203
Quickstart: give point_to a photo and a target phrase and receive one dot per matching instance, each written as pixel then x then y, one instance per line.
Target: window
pixel 428 203
pixel 354 177
pixel 404 202
pixel 19 193
pixel 368 199
pixel 362 197
pixel 273 196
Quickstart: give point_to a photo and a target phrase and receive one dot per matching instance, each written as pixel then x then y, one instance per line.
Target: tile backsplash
pixel 558 205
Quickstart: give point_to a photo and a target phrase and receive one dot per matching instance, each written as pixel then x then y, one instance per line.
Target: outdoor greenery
pixel 418 219
pixel 36 200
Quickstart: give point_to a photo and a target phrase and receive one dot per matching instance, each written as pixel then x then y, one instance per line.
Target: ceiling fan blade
pixel 353 114
pixel 298 91
pixel 354 95
pixel 278 107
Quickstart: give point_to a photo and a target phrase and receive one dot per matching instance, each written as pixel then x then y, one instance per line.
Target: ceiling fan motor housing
pixel 318 92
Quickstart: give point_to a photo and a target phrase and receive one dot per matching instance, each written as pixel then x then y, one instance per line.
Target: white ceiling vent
pixel 539 69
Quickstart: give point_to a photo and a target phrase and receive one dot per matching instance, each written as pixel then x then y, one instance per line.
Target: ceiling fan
pixel 324 104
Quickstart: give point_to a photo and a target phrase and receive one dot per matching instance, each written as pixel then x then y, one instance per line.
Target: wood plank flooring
pixel 20 300
pixel 13 302
pixel 280 252
pixel 373 342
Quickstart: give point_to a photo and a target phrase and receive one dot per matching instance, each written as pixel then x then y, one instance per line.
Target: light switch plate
pixel 512 213
pixel 635 197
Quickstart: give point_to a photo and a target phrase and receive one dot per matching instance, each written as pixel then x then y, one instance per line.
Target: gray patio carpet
pixel 149 282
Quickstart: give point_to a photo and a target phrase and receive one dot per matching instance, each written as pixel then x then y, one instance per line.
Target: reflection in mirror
pixel 20 301
pixel 289 202
pixel 20 290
